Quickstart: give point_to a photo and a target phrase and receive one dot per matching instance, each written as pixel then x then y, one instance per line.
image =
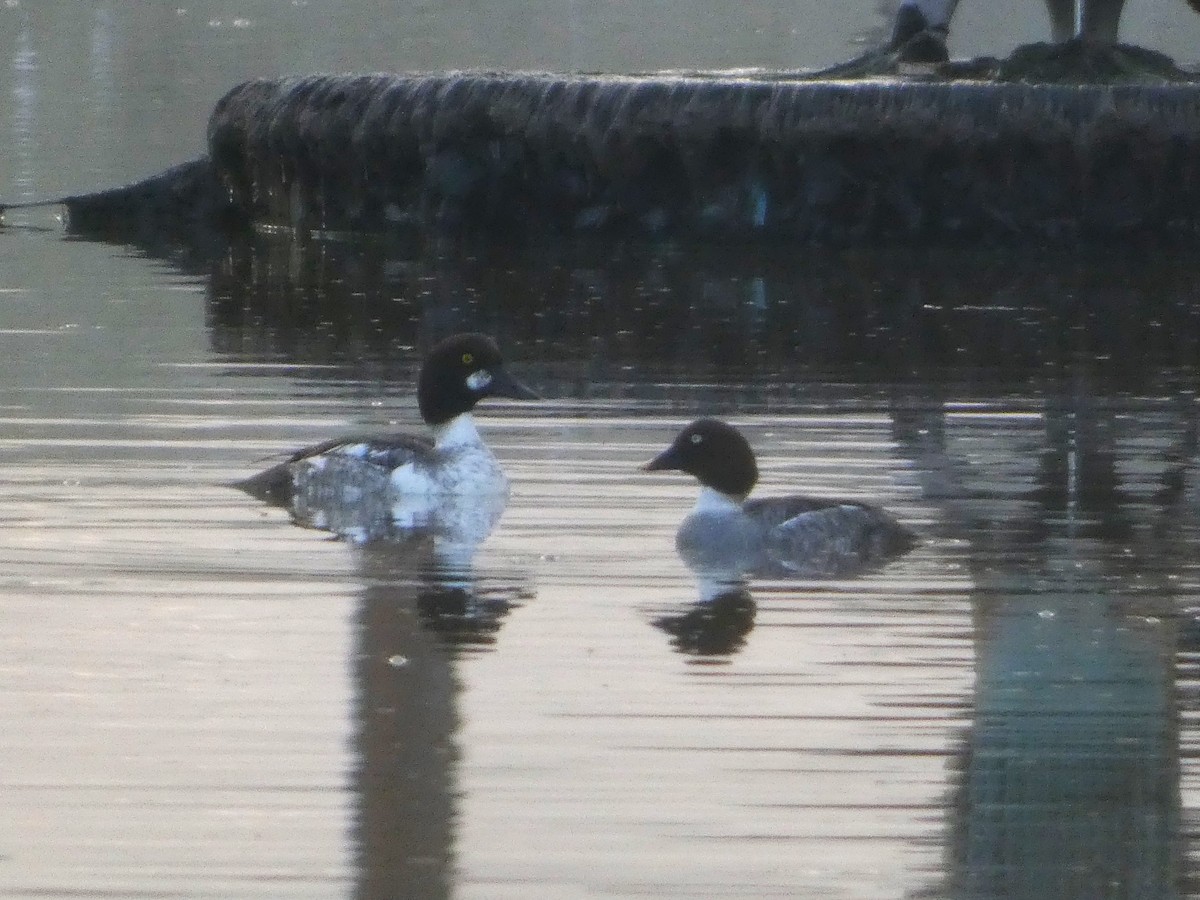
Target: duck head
pixel 715 453
pixel 459 372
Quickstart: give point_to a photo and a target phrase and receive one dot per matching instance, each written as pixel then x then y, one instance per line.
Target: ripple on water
pixel 568 706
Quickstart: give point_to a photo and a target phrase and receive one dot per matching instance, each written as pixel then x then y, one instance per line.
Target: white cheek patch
pixel 479 380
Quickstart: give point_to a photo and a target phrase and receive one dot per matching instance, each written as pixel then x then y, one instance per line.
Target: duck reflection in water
pixel 717 623
pixel 727 537
pixel 424 605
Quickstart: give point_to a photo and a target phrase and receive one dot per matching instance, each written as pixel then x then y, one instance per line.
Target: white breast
pixel 457 491
pixel 718 538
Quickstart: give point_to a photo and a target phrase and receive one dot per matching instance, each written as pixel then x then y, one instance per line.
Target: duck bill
pixel 664 461
pixel 504 385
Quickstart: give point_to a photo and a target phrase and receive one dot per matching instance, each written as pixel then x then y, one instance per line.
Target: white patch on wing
pixel 409 481
pixel 358 451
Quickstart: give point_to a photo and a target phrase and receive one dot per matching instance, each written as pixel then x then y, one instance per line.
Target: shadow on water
pixel 1045 404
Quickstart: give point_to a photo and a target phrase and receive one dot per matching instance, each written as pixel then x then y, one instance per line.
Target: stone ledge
pixel 746 156
pixel 735 156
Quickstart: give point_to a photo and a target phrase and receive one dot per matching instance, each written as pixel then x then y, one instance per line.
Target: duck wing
pixel 387 451
pixel 366 455
pixel 816 537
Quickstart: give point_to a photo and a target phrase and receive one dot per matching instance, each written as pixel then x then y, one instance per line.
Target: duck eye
pixel 697 438
pixel 468 358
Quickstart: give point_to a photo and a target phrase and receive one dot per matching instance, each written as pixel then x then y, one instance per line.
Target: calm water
pixel 204 700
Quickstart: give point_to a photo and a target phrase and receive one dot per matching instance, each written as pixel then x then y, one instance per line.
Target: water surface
pixel 205 700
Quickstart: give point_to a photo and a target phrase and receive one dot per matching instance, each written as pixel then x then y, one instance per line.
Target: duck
pixel 727 535
pixel 371 486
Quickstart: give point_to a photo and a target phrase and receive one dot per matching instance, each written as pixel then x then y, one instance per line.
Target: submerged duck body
pixel 371 486
pixel 772 536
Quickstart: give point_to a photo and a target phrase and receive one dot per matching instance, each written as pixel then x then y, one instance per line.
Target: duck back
pixel 823 537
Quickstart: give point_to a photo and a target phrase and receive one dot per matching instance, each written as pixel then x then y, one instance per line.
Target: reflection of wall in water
pixel 1070 773
pixel 1071 780
pixel 713 311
